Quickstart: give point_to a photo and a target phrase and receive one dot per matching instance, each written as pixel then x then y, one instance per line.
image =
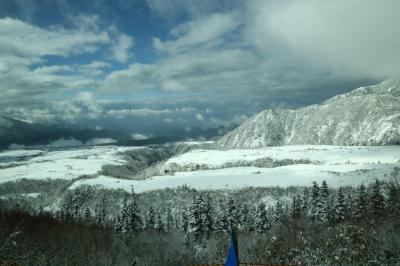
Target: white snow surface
pixel 58 164
pixel 324 154
pixel 339 166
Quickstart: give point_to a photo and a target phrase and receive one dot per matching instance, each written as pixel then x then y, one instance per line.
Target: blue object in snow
pixel 232 259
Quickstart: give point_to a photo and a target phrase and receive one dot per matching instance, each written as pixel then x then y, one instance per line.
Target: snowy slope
pixel 366 116
pixel 338 165
pixel 321 154
pixel 239 177
pixel 59 164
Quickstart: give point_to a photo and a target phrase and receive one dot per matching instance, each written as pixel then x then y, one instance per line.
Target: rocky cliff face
pixel 366 116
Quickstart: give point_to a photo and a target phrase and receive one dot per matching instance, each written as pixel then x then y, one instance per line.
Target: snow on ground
pixel 317 153
pixel 238 177
pixel 58 164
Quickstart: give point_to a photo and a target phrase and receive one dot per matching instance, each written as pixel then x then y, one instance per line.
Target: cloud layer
pixel 190 63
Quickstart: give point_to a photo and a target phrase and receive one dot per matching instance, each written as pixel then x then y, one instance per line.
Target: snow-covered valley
pixel 209 169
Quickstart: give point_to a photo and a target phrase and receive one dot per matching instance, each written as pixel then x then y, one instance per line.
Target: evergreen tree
pixel 207 215
pixel 393 200
pixel 339 207
pixel 159 225
pixel 360 204
pixel 184 221
pixel 195 218
pixel 315 202
pixel 322 204
pixel 296 208
pixel 150 219
pixel 232 212
pixel 88 214
pixel 305 201
pixel 75 206
pixel 377 200
pixel 244 217
pixel 279 213
pixel 261 223
pixel 133 220
pixel 100 213
pixel 169 220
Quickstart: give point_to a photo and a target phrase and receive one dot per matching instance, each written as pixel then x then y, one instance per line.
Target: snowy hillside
pixel 337 165
pixel 58 164
pixel 366 116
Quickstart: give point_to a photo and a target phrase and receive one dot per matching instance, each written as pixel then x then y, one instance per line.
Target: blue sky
pixel 179 65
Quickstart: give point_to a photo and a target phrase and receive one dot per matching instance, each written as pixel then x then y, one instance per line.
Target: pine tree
pixel 393 199
pixel 100 213
pixel 305 201
pixel 339 207
pixel 119 227
pixel 159 225
pixel 207 216
pixel 377 200
pixel 150 219
pixel 133 220
pixel 315 202
pixel 169 220
pixel 88 214
pixel 184 221
pixel 262 223
pixel 279 213
pixel 361 205
pixel 244 217
pixel 195 218
pixel 322 203
pixel 75 206
pixel 232 213
pixel 296 208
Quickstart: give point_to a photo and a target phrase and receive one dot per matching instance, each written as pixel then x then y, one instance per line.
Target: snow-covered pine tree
pixel 377 200
pixel 296 208
pixel 305 198
pixel 315 201
pixel 322 203
pixel 100 213
pixel 133 220
pixel 393 199
pixel 244 217
pixel 339 207
pixel 159 224
pixel 75 206
pixel 261 219
pixel 88 214
pixel 169 220
pixel 360 203
pixel 150 219
pixel 184 221
pixel 119 227
pixel 279 212
pixel 207 215
pixel 195 218
pixel 232 212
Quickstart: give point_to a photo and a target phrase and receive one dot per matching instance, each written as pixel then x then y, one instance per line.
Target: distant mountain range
pixel 13 131
pixel 365 116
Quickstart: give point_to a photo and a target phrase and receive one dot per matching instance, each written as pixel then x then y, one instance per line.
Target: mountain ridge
pixel 368 115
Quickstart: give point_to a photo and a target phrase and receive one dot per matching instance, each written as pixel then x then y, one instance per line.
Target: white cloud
pixel 206 31
pixel 139 136
pixel 100 141
pixel 121 48
pixel 354 37
pixel 23 39
pixel 199 117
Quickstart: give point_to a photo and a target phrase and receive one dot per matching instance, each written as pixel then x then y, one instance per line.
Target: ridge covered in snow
pixel 365 116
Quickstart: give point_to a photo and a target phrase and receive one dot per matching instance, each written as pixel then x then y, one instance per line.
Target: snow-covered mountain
pixel 365 116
